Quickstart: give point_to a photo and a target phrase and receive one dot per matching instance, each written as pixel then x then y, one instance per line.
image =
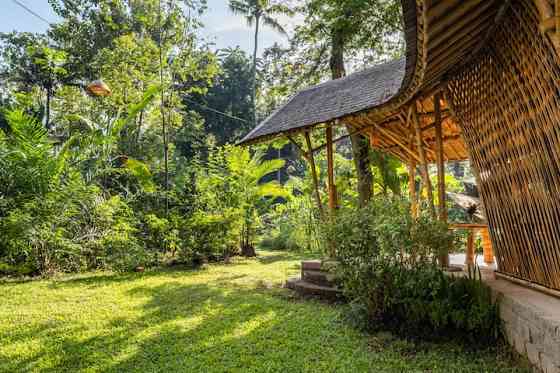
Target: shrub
pixel 389 273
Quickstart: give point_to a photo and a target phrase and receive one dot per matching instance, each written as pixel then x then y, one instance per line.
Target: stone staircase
pixel 316 280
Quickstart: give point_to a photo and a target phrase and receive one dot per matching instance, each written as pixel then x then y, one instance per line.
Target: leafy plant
pixel 388 271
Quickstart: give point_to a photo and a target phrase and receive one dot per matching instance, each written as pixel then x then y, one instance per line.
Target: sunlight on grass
pixel 223 318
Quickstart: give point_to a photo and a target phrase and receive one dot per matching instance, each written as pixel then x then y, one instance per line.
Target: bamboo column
pixel 487 246
pixel 331 185
pixel 311 159
pixel 423 159
pixel 330 171
pixel 469 257
pixel 412 187
pixel 444 256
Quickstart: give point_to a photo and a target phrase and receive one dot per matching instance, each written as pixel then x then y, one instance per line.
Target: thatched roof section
pixel 441 36
pixel 333 99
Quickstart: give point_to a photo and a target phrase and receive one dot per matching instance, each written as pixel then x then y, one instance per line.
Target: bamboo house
pixel 480 80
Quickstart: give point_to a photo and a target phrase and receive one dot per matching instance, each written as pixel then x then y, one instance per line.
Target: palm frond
pixel 135 109
pixel 271 189
pixel 267 167
pixel 272 23
pixel 141 172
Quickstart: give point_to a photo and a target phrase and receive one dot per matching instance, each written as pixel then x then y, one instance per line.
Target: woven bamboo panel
pixel 508 106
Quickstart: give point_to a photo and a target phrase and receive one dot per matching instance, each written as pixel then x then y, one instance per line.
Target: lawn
pixel 223 318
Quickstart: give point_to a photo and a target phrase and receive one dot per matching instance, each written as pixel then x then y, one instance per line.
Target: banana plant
pixel 97 145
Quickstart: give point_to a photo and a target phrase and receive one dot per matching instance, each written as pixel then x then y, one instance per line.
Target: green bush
pixel 294 224
pixel 389 273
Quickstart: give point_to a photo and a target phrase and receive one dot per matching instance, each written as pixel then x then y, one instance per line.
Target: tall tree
pixel 28 62
pixel 341 30
pixel 255 12
pixel 227 103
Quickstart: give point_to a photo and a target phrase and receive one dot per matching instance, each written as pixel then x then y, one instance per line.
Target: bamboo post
pixel 469 258
pixel 412 187
pixel 444 256
pixel 330 170
pixel 331 185
pixel 440 160
pixel 311 160
pixel 423 159
pixel 487 246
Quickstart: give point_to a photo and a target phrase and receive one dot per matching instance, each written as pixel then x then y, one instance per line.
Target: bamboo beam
pixel 398 141
pixel 300 150
pixel 311 160
pixel 423 160
pixel 330 171
pixel 444 256
pixel 322 146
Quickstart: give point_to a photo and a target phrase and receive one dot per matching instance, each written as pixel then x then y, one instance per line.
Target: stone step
pixel 318 277
pixel 312 265
pixel 307 288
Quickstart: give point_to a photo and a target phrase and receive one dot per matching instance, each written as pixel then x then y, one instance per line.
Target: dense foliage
pixel 145 175
pixel 388 271
pixel 133 179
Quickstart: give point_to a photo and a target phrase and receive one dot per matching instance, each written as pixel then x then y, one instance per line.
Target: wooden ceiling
pixel 448 34
pixel 396 134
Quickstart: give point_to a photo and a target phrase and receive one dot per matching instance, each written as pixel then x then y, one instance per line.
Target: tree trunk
pixel 48 110
pixel 279 173
pixel 360 144
pixel 247 248
pixel 255 50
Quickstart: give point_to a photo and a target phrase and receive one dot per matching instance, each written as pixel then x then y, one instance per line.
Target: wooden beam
pixel 301 152
pixel 423 160
pixel 394 137
pixel 311 160
pixel 444 138
pixel 442 206
pixel 320 147
pixel 430 114
pixel 548 24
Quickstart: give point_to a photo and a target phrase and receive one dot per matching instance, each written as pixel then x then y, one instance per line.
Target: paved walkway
pixel 459 259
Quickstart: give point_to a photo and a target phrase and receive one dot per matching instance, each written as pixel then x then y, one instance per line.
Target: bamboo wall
pixel 508 105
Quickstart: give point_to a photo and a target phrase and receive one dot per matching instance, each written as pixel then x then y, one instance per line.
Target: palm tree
pixel 254 193
pixel 255 12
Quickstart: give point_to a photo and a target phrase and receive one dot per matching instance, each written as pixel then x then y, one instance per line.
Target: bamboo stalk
pixel 311 160
pixel 442 206
pixel 423 160
pixel 330 170
pixel 412 188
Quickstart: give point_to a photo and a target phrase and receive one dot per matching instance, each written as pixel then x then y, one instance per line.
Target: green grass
pixel 225 318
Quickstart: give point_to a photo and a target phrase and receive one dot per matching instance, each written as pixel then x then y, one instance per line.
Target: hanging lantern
pixel 98 88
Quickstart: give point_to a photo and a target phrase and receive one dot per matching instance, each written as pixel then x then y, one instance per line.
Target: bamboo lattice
pixel 508 104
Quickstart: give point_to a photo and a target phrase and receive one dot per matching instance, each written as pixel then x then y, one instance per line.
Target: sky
pixel 221 26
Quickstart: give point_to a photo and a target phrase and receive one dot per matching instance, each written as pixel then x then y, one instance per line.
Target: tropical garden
pixel 135 235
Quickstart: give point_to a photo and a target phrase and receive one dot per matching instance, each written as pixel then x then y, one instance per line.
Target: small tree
pixel 234 187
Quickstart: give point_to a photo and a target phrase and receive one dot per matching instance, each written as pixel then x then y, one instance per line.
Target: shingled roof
pixel 333 99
